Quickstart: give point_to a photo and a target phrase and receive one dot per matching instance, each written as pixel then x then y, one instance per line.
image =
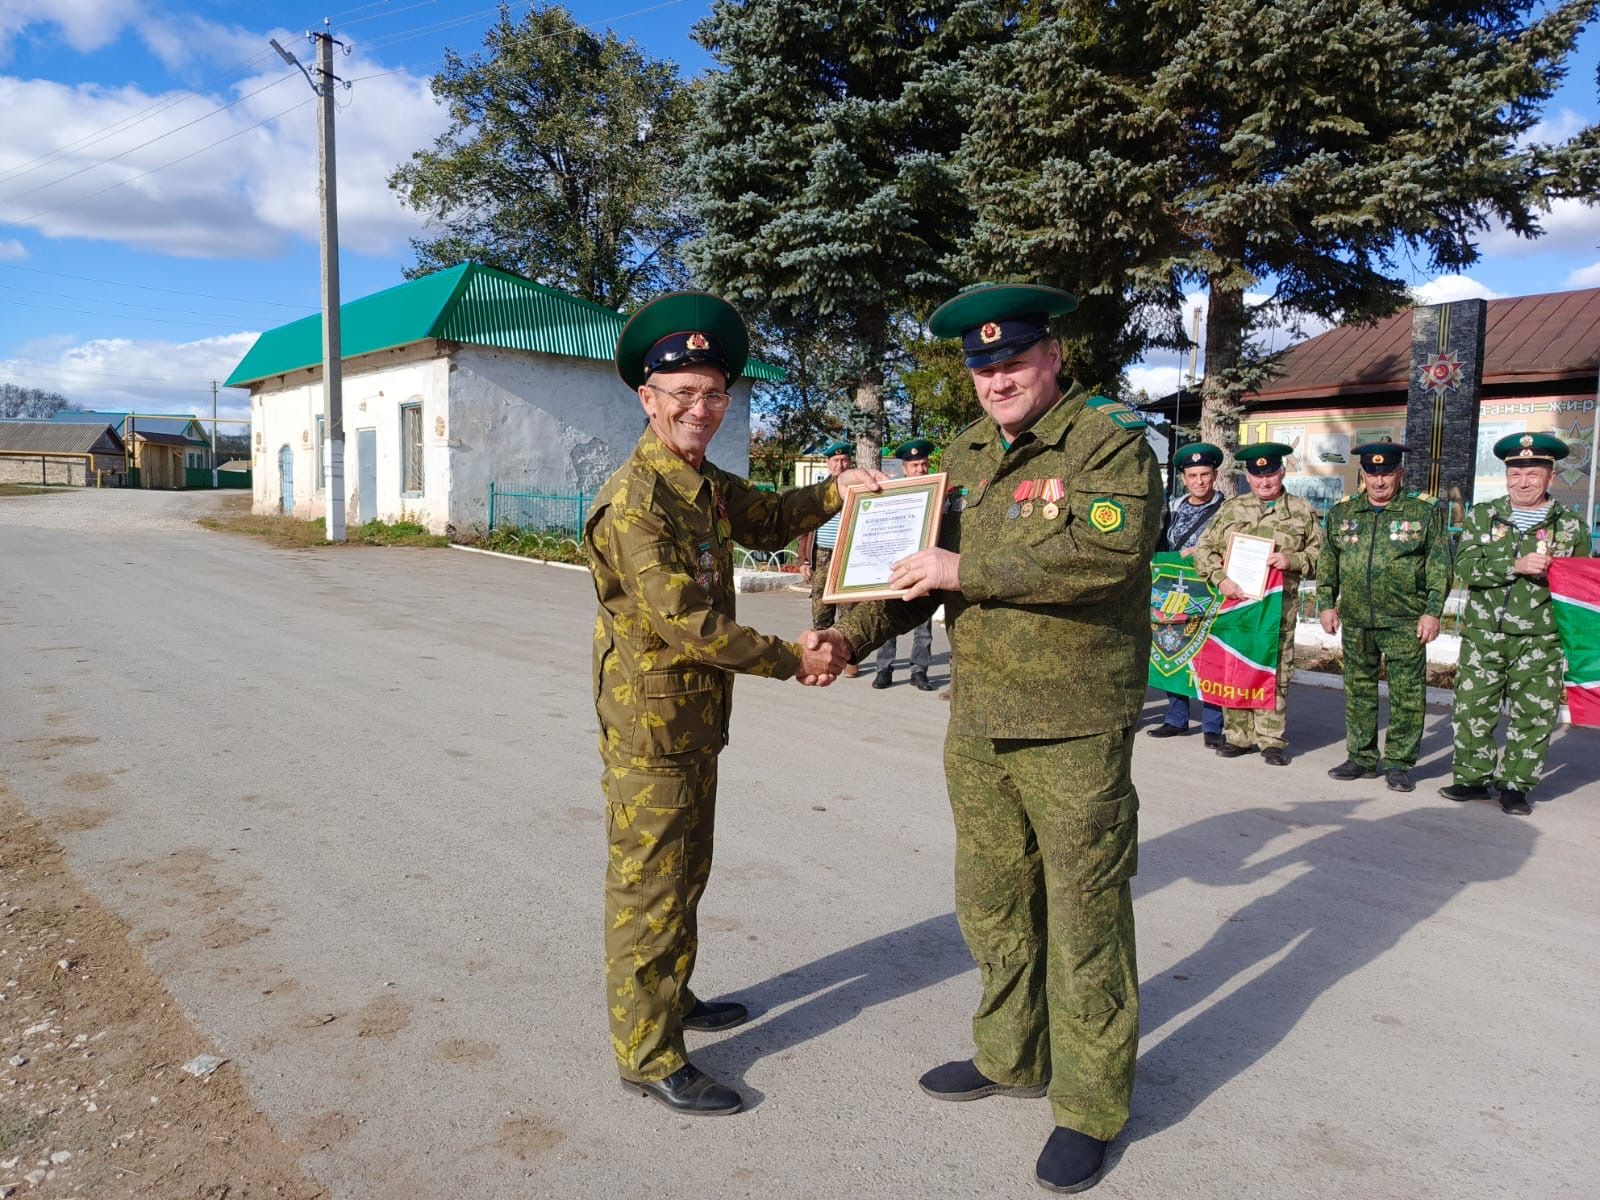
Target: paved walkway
pixel 347 800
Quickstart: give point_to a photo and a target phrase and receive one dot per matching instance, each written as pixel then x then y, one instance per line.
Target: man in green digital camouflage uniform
pixel 1043 566
pixel 1296 532
pixel 1510 652
pixel 667 645
pixel 1384 575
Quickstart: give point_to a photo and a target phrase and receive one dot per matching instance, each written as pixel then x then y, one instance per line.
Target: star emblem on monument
pixel 1443 373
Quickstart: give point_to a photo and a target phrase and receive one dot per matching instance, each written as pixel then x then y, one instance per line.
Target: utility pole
pixel 332 359
pixel 213 434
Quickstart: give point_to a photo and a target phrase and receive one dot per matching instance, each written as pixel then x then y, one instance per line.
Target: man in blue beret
pixel 917 455
pixel 1187 518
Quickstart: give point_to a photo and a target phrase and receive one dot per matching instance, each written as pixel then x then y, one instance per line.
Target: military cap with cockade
pixel 1531 449
pixel 1380 458
pixel 682 329
pixel 1263 458
pixel 996 321
pixel 1199 454
pixel 915 450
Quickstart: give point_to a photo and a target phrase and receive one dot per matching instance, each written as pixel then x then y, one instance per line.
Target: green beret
pixel 1530 449
pixel 915 450
pixel 681 329
pixel 1198 454
pixel 1263 458
pixel 838 448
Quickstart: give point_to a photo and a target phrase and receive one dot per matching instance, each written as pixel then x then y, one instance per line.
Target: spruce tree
pixel 821 157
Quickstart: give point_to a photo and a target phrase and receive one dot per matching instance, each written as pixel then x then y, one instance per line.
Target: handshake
pixel 824 653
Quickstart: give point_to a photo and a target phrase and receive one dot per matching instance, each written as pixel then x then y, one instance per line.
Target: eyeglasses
pixel 715 401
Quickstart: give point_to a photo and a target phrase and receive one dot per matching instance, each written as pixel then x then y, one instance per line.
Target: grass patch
pixel 534 543
pixel 293 533
pixel 29 489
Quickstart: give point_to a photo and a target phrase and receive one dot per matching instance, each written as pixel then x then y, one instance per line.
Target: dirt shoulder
pixel 93 1097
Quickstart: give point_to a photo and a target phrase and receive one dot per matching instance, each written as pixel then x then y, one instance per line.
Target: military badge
pixel 1525 440
pixel 989 333
pixel 697 341
pixel 1181 610
pixel 1053 492
pixel 1106 514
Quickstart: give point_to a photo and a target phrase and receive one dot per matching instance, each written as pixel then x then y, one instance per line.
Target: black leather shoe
pixel 1398 779
pixel 963 1081
pixel 883 679
pixel 690 1091
pixel 1514 802
pixel 1164 730
pixel 1215 741
pixel 1070 1162
pixel 1229 750
pixel 1351 769
pixel 1274 756
pixel 919 680
pixel 717 1014
pixel 1461 792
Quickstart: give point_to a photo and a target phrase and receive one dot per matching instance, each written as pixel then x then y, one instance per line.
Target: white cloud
pixel 1585 277
pixel 85 25
pixel 1447 288
pixel 1153 381
pixel 136 375
pixel 242 198
pixel 1570 226
pixel 12 250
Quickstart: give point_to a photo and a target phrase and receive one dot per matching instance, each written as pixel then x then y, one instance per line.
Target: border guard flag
pixel 1223 651
pixel 1575 592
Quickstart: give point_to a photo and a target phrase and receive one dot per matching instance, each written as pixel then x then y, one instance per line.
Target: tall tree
pixel 1298 146
pixel 822 157
pixel 31 403
pixel 562 162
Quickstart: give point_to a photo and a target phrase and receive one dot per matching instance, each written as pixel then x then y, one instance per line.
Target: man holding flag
pixel 1510 649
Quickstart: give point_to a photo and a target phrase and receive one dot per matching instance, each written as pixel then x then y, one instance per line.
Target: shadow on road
pixel 832 990
pixel 1356 889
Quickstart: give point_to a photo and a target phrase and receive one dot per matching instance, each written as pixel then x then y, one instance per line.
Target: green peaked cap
pixel 680 313
pixel 1531 448
pixel 971 307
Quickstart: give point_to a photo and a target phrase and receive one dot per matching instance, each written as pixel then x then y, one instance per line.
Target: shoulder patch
pixel 1106 514
pixel 1123 416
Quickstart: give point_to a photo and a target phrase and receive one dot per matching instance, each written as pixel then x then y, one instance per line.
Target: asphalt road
pixel 347 799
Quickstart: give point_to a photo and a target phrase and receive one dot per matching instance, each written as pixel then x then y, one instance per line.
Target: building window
pixel 322 433
pixel 411 449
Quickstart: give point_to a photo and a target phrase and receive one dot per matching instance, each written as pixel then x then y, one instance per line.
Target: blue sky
pixel 145 238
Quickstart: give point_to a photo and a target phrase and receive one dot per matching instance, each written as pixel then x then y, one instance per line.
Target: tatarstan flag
pixel 1223 651
pixel 1575 590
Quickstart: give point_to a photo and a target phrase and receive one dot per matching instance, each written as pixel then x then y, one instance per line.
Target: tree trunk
pixel 1221 399
pixel 867 406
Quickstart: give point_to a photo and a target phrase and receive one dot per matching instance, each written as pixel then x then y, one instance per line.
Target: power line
pixel 190 312
pixel 343 25
pixel 84 312
pixel 151 288
pixel 146 174
pixel 72 372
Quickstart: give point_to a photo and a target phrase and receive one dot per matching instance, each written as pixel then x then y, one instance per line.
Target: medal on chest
pixel 1052 493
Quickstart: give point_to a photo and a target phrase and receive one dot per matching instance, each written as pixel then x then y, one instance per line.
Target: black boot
pixel 1229 750
pixel 715 1014
pixel 1514 802
pixel 1398 779
pixel 1351 769
pixel 919 680
pixel 1214 741
pixel 1070 1162
pixel 1461 792
pixel 690 1091
pixel 1274 756
pixel 1164 730
pixel 883 679
pixel 963 1081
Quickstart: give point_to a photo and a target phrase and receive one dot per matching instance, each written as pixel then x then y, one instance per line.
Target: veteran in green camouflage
pixel 667 644
pixel 1382 581
pixel 1268 511
pixel 1510 651
pixel 1050 522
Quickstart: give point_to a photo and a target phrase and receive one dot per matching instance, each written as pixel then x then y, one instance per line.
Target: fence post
pixel 491 506
pixel 582 499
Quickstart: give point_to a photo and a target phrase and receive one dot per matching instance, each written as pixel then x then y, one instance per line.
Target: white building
pixel 454 382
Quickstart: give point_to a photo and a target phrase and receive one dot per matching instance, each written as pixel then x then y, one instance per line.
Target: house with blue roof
pixel 453 382
pixel 164 450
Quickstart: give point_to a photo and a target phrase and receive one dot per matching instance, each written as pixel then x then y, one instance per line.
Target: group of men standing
pixel 1044 604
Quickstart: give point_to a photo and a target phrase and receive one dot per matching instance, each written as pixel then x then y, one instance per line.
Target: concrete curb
pixel 521 558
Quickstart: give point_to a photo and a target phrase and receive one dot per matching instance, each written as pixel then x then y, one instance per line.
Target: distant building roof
pixel 467 303
pixel 235 464
pixel 174 423
pixel 158 439
pixel 1527 339
pixel 57 437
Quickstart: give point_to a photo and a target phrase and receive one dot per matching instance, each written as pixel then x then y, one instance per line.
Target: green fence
pixel 234 479
pixel 541 512
pixel 197 477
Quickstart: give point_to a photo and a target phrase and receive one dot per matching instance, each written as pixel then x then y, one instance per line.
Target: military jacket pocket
pixel 680 710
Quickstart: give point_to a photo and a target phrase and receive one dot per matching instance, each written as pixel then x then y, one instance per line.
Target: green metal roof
pixel 469 303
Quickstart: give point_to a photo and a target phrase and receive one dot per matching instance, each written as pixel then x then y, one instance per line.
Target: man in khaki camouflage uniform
pixel 1296 532
pixel 1043 567
pixel 1384 575
pixel 1510 651
pixel 667 644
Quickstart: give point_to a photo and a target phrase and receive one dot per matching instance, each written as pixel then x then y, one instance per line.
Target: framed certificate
pixel 1247 563
pixel 878 529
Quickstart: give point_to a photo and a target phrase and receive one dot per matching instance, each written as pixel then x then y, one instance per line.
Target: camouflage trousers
pixel 1046 842
pixel 1264 727
pixel 1525 669
pixel 823 615
pixel 658 823
pixel 1407 660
